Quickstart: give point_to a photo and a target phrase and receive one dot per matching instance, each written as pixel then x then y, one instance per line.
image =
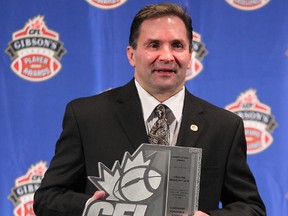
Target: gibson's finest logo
pixel 130 186
pixel 198 54
pixel 247 4
pixel 106 4
pixel 35 51
pixel 25 186
pixel 259 123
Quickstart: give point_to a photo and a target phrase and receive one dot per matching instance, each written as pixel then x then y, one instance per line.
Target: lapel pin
pixel 194 127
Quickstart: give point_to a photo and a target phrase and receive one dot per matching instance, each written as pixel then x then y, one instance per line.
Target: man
pixel 103 127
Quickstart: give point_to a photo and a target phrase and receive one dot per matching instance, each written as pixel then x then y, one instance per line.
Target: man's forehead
pixel 149 24
pixel 155 19
pixel 157 23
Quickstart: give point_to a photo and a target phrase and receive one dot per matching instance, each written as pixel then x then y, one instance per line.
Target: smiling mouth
pixel 163 70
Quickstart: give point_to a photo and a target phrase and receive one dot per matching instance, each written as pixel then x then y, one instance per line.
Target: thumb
pixel 99 195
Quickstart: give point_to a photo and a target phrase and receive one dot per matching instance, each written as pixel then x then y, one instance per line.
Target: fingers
pixel 200 213
pixel 99 195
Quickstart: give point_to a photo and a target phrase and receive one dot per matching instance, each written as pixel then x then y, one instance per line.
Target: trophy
pixel 156 180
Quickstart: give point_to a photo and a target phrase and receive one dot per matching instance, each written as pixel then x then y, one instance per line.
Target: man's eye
pixel 154 45
pixel 178 46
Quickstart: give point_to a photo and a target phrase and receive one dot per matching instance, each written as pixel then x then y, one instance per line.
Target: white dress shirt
pixel 174 115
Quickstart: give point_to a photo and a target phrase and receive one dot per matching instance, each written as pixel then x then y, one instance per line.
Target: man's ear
pixel 190 61
pixel 131 55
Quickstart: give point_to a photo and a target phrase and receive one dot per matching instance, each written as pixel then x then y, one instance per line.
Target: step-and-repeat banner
pixel 53 51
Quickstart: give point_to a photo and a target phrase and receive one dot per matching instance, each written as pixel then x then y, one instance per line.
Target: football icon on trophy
pixel 144 177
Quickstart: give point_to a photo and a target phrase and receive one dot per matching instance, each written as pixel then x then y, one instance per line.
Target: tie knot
pixel 160 111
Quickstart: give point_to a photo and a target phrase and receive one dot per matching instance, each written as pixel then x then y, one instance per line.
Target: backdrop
pixel 54 51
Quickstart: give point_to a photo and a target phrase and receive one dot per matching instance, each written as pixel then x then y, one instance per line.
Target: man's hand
pixel 200 213
pixel 98 195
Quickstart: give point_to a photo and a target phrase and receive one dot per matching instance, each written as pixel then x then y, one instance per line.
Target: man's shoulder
pixel 108 96
pixel 94 99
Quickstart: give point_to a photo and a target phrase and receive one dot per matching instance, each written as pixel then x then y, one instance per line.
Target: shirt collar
pixel 175 103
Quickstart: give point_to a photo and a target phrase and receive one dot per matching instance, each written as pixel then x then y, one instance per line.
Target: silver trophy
pixel 156 180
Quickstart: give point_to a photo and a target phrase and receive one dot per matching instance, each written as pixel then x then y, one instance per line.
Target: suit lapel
pixel 130 115
pixel 192 122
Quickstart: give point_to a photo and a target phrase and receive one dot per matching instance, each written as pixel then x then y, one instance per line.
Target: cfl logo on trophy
pixel 35 51
pixel 259 123
pixel 25 186
pixel 198 54
pixel 129 186
pixel 247 5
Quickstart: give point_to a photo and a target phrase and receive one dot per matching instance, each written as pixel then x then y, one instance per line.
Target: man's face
pixel 162 55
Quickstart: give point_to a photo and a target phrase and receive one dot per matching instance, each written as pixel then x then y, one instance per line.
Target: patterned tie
pixel 159 133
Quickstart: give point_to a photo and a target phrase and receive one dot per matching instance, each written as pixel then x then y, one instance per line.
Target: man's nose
pixel 166 54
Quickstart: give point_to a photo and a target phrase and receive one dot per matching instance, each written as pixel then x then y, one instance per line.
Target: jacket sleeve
pixel 239 195
pixel 62 188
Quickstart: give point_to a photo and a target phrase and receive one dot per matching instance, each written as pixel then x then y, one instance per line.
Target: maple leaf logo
pixel 134 174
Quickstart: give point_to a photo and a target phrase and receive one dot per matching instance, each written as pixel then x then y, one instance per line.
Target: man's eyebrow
pixel 178 41
pixel 158 41
pixel 150 40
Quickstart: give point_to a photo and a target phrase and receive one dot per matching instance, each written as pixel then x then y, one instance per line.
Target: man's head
pixel 160 49
pixel 159 10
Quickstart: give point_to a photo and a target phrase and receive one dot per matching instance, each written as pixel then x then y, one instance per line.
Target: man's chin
pixel 167 87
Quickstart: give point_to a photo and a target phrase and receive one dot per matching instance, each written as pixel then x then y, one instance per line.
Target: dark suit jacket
pixel 103 127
